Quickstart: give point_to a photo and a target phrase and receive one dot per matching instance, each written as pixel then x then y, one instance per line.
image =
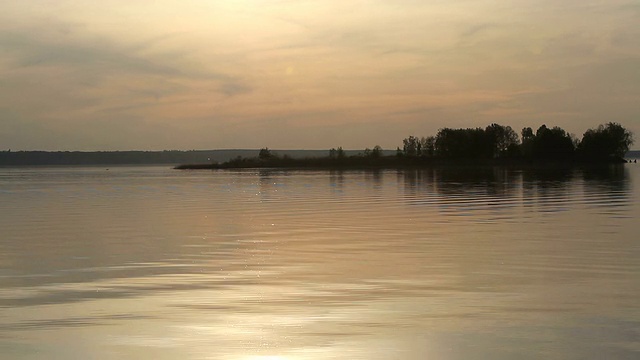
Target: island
pixel 493 145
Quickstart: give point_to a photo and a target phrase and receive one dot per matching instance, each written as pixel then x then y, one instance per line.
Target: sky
pixel 307 74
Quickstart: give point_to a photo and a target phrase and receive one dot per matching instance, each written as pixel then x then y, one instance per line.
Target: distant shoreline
pixel 172 158
pixel 193 159
pixel 389 162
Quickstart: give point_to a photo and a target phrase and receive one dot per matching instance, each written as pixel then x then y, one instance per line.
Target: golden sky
pixel 307 74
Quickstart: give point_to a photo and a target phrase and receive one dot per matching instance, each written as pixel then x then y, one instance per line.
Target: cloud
pixel 74 79
pixel 238 72
pixel 94 56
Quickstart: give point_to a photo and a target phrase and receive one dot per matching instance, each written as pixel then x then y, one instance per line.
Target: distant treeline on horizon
pixel 169 157
pixel 609 140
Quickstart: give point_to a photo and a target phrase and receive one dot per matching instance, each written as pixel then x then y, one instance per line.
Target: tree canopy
pixel 499 141
pixel 606 140
pixel 554 143
pixel 492 142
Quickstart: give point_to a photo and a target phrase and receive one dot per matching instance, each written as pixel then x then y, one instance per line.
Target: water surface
pixel 150 262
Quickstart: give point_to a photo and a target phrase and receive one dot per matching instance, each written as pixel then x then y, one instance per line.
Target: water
pixel 154 263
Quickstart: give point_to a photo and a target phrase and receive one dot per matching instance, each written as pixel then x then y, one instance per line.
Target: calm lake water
pixel 155 263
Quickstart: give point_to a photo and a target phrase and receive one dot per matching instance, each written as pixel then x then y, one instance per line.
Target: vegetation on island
pixel 495 144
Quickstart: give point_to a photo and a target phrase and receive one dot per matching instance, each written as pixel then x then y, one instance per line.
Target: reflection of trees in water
pixel 265 183
pixel 491 181
pixel 544 182
pixel 607 186
pixel 615 176
pixel 482 181
pixel 415 181
pixel 336 180
pixel 488 189
pixel 271 180
pixel 553 189
pixel 547 188
pixel 374 177
pixel 463 189
pixel 550 177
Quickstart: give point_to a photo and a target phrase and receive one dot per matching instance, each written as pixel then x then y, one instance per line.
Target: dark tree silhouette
pixel 503 140
pixel 429 146
pixel 608 140
pixel 376 152
pixel 463 143
pixel 526 147
pixel 527 134
pixel 411 146
pixel 337 153
pixel 265 154
pixel 554 143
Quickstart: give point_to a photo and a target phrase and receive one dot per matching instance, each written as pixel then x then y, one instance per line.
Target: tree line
pixel 607 141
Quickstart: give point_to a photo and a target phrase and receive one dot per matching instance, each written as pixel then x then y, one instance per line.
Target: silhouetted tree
pixel 463 143
pixel 503 140
pixel 376 152
pixel 265 154
pixel 527 134
pixel 429 146
pixel 411 146
pixel 554 143
pixel 606 140
pixel 338 153
pixel 526 147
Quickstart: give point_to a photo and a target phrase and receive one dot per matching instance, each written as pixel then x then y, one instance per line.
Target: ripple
pixel 315 260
